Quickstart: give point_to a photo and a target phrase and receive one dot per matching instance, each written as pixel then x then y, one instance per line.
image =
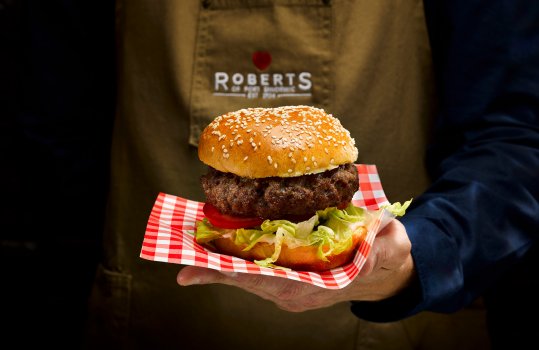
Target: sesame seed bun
pixel 284 142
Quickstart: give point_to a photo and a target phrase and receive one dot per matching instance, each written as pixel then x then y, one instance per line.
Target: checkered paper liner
pixel 170 237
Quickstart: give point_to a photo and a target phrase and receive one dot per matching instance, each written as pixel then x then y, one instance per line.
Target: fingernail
pixel 189 282
pixel 230 274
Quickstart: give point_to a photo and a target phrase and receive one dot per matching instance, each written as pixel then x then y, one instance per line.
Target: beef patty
pixel 280 197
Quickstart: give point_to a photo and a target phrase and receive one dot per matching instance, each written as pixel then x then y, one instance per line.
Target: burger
pixel 279 187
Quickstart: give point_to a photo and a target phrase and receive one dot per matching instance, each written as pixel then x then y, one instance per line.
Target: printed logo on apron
pixel 262 85
pixel 260 54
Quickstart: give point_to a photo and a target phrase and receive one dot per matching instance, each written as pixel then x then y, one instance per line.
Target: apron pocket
pixel 109 310
pixel 260 54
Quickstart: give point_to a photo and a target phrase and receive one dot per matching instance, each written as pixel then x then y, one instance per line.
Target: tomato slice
pixel 218 219
pixel 343 205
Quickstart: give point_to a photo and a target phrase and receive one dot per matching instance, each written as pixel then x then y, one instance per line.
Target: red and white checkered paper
pixel 170 237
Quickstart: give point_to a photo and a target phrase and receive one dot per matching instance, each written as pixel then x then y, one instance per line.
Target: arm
pixel 479 217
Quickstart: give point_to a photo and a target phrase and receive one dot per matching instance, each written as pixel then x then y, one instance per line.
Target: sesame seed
pixel 289 170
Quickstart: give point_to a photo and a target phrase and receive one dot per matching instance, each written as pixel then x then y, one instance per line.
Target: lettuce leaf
pixel 330 230
pixel 397 208
pixel 206 232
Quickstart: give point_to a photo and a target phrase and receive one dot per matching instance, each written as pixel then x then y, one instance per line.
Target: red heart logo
pixel 261 59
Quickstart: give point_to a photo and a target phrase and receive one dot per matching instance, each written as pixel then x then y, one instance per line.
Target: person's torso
pixel 181 64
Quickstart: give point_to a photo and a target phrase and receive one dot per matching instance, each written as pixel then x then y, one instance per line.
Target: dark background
pixel 57 88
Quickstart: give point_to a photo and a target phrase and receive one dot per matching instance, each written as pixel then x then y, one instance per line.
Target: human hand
pixel 388 269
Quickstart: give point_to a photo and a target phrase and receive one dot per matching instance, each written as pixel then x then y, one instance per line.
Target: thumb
pixel 389 249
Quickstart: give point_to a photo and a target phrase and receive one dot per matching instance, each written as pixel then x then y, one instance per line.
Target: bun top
pixel 283 141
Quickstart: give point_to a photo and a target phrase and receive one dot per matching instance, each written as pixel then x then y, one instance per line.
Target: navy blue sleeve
pixel 481 214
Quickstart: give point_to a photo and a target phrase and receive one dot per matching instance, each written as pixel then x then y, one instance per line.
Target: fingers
pixel 264 286
pixel 288 295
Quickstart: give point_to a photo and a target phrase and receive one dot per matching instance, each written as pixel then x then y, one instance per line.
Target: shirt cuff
pixel 437 276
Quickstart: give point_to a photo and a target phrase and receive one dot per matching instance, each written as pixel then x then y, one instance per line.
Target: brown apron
pixel 181 63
